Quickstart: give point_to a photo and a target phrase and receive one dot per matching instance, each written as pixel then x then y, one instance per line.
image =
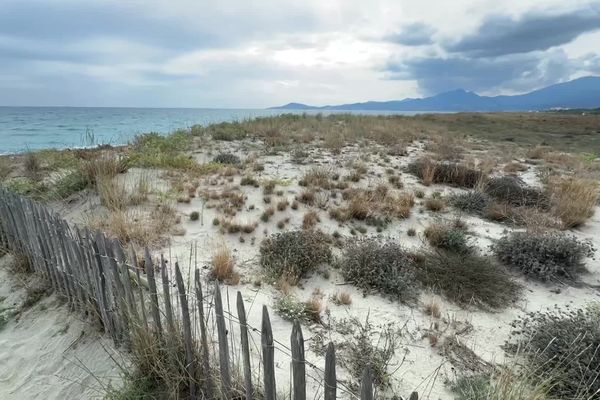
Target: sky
pixel 261 53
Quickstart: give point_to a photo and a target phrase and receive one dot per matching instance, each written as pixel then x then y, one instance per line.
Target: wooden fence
pixel 96 276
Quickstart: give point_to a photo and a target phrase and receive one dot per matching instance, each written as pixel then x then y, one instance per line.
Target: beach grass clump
pixel 446 172
pixel 32 165
pixel 5 168
pixel 27 187
pixel 112 194
pixel 319 177
pixel 513 383
pixel 223 266
pixel 382 266
pixel 69 184
pixel 294 254
pixel 573 200
pixel 563 346
pixel 467 279
pixel 373 207
pixel 153 150
pixel 103 166
pixel 544 256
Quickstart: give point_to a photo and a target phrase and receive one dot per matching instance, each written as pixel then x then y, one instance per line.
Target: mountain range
pixel 578 93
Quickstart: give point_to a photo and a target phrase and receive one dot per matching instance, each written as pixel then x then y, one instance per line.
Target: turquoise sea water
pixel 33 128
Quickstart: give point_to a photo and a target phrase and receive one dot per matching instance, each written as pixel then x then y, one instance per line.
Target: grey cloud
pixel 513 72
pixel 501 35
pixel 416 34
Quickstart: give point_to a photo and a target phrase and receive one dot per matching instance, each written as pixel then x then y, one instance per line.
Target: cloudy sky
pixel 195 53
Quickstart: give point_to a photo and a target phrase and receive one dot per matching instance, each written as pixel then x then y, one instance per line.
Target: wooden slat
pixel 223 345
pixel 153 294
pixel 187 333
pixel 268 356
pixel 205 355
pixel 330 378
pixel 241 310
pixel 298 362
pixel 366 385
pixel 167 296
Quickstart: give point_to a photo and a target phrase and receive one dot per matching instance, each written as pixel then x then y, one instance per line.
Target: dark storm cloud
pixel 500 35
pixel 416 34
pixel 513 72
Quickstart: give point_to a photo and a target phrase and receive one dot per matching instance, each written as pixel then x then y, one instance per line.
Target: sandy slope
pixel 48 352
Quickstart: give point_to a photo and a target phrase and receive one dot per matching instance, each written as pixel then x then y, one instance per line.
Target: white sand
pixel 49 352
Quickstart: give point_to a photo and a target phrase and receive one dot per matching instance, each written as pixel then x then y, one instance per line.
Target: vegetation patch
pixel 513 191
pixel 294 254
pixel 467 279
pixel 387 267
pixel 450 173
pixel 563 346
pixel 545 256
pixel 227 158
pixel 473 202
pixel 448 237
pixel 573 200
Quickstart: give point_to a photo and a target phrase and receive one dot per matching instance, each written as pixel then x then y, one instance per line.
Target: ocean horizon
pixel 34 128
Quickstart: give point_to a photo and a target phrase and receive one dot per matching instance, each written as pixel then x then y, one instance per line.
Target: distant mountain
pixel 578 93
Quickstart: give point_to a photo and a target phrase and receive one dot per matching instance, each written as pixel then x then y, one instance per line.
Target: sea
pixel 34 128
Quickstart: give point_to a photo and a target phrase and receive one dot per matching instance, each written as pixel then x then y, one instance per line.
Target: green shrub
pixel 467 279
pixel 563 345
pixel 68 184
pixel 512 190
pixel 194 216
pixel 226 158
pixel 26 187
pixel 155 150
pixel 294 254
pixel 546 256
pixel 383 266
pixel 472 202
pixel 227 131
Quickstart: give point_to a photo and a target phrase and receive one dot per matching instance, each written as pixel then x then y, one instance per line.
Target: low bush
pixel 451 173
pixel 68 184
pixel 472 202
pixel 382 266
pixel 162 151
pixel 573 200
pixel 448 237
pixel 294 254
pixel 467 279
pixel 563 345
pixel 227 131
pixel 513 191
pixel 227 158
pixel 544 256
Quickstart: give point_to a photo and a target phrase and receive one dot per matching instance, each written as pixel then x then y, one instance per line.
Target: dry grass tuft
pixel 514 167
pixel 310 219
pixel 313 308
pixel 433 308
pixel 573 200
pixel 282 205
pixel 317 177
pixel 307 197
pixel 435 204
pixel 223 266
pixel 112 194
pixel 342 298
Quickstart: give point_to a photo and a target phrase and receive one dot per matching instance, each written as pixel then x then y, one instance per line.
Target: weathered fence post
pixel 223 345
pixel 153 293
pixel 203 339
pixel 245 346
pixel 187 333
pixel 268 356
pixel 167 295
pixel 298 362
pixel 366 385
pixel 330 378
